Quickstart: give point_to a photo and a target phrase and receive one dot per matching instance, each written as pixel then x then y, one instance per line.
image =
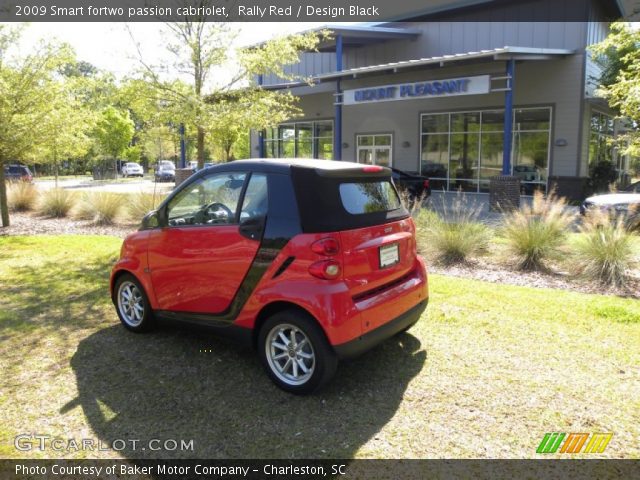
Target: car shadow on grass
pixel 184 385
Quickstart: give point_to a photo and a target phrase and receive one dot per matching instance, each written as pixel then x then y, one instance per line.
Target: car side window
pixel 256 198
pixel 212 200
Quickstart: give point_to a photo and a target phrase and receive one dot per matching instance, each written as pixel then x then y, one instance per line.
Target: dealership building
pixel 459 95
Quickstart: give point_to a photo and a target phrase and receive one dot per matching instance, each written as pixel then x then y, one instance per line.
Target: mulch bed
pixel 481 269
pixel 484 269
pixel 32 224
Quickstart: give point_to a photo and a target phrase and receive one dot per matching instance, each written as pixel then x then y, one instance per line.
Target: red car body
pixel 234 276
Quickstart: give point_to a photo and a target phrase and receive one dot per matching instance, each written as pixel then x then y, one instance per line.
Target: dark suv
pixel 17 173
pixel 308 261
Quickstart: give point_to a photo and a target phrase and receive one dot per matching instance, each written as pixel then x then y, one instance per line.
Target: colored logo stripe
pixel 598 442
pixel 574 443
pixel 550 442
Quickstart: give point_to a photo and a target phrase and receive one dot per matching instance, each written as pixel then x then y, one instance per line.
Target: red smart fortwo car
pixel 309 261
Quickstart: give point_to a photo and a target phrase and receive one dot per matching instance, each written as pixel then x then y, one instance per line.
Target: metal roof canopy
pixel 362 35
pixel 497 54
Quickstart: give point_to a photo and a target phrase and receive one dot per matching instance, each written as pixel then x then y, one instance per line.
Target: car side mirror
pixel 151 220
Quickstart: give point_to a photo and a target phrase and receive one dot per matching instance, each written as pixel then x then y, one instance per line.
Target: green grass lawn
pixel 486 373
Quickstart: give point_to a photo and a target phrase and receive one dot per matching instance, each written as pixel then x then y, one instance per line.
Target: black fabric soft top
pixel 320 204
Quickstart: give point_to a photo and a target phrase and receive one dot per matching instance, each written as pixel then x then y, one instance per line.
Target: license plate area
pixel 388 255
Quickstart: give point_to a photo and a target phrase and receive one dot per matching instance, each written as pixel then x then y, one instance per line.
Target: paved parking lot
pixel 116 186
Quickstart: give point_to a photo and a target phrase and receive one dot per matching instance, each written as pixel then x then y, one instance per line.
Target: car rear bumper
pixel 359 345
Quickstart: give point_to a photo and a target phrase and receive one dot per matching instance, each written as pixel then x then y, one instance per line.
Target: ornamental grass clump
pixel 535 233
pixel 56 202
pixel 454 234
pixel 102 208
pixel 604 251
pixel 21 196
pixel 141 203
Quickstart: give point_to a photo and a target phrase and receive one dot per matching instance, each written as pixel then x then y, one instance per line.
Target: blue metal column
pixel 183 148
pixel 337 134
pixel 508 118
pixel 261 152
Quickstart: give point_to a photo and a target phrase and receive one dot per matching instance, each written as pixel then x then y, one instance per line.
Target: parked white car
pixel 132 169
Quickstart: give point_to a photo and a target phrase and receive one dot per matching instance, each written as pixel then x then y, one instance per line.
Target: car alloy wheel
pixel 295 352
pixel 130 304
pixel 290 354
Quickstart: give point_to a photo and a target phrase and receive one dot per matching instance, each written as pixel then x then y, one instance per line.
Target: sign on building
pixel 416 90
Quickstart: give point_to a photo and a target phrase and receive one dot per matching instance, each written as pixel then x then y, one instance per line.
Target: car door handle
pixel 252 228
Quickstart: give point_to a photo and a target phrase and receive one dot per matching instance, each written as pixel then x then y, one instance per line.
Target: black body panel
pixel 360 345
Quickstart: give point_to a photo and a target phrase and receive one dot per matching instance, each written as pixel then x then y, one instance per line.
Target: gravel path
pixel 483 269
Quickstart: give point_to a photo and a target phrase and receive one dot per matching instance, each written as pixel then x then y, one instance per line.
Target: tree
pixel 28 89
pixel 64 133
pixel 113 133
pixel 199 48
pixel 619 56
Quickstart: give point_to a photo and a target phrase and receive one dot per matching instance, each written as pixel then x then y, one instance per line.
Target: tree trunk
pixel 200 148
pixel 4 207
pixel 55 170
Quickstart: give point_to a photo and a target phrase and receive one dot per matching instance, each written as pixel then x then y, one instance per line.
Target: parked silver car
pixel 624 202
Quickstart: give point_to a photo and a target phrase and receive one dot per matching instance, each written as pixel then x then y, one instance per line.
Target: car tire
pixel 310 351
pixel 132 304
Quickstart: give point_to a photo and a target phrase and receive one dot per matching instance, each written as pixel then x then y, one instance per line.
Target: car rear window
pixel 369 197
pixel 335 201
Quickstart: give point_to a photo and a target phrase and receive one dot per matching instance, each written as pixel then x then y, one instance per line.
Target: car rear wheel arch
pixel 272 309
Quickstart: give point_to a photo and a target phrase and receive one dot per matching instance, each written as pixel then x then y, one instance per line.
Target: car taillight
pixel 372 168
pixel 327 246
pixel 325 269
pixel 426 183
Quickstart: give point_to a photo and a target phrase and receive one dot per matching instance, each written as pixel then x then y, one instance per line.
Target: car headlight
pixel 621 208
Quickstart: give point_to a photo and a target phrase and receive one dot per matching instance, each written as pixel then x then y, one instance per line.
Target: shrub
pixel 56 202
pixel 103 208
pixel 604 250
pixel 453 235
pixel 412 204
pixel 21 196
pixel 142 203
pixel 535 233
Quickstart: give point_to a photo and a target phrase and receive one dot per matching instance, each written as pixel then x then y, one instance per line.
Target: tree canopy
pixel 619 56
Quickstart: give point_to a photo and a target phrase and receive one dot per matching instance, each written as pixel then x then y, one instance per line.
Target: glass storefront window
pixel 436 123
pixel 463 150
pixel 601 138
pixel 434 161
pixel 465 122
pixel 491 159
pixel 465 155
pixel 300 140
pixel 375 149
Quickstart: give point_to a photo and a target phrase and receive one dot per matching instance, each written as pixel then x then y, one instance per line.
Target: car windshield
pixel 166 165
pixel 133 165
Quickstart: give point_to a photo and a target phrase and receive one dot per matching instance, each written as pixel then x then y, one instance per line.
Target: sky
pixel 109 46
